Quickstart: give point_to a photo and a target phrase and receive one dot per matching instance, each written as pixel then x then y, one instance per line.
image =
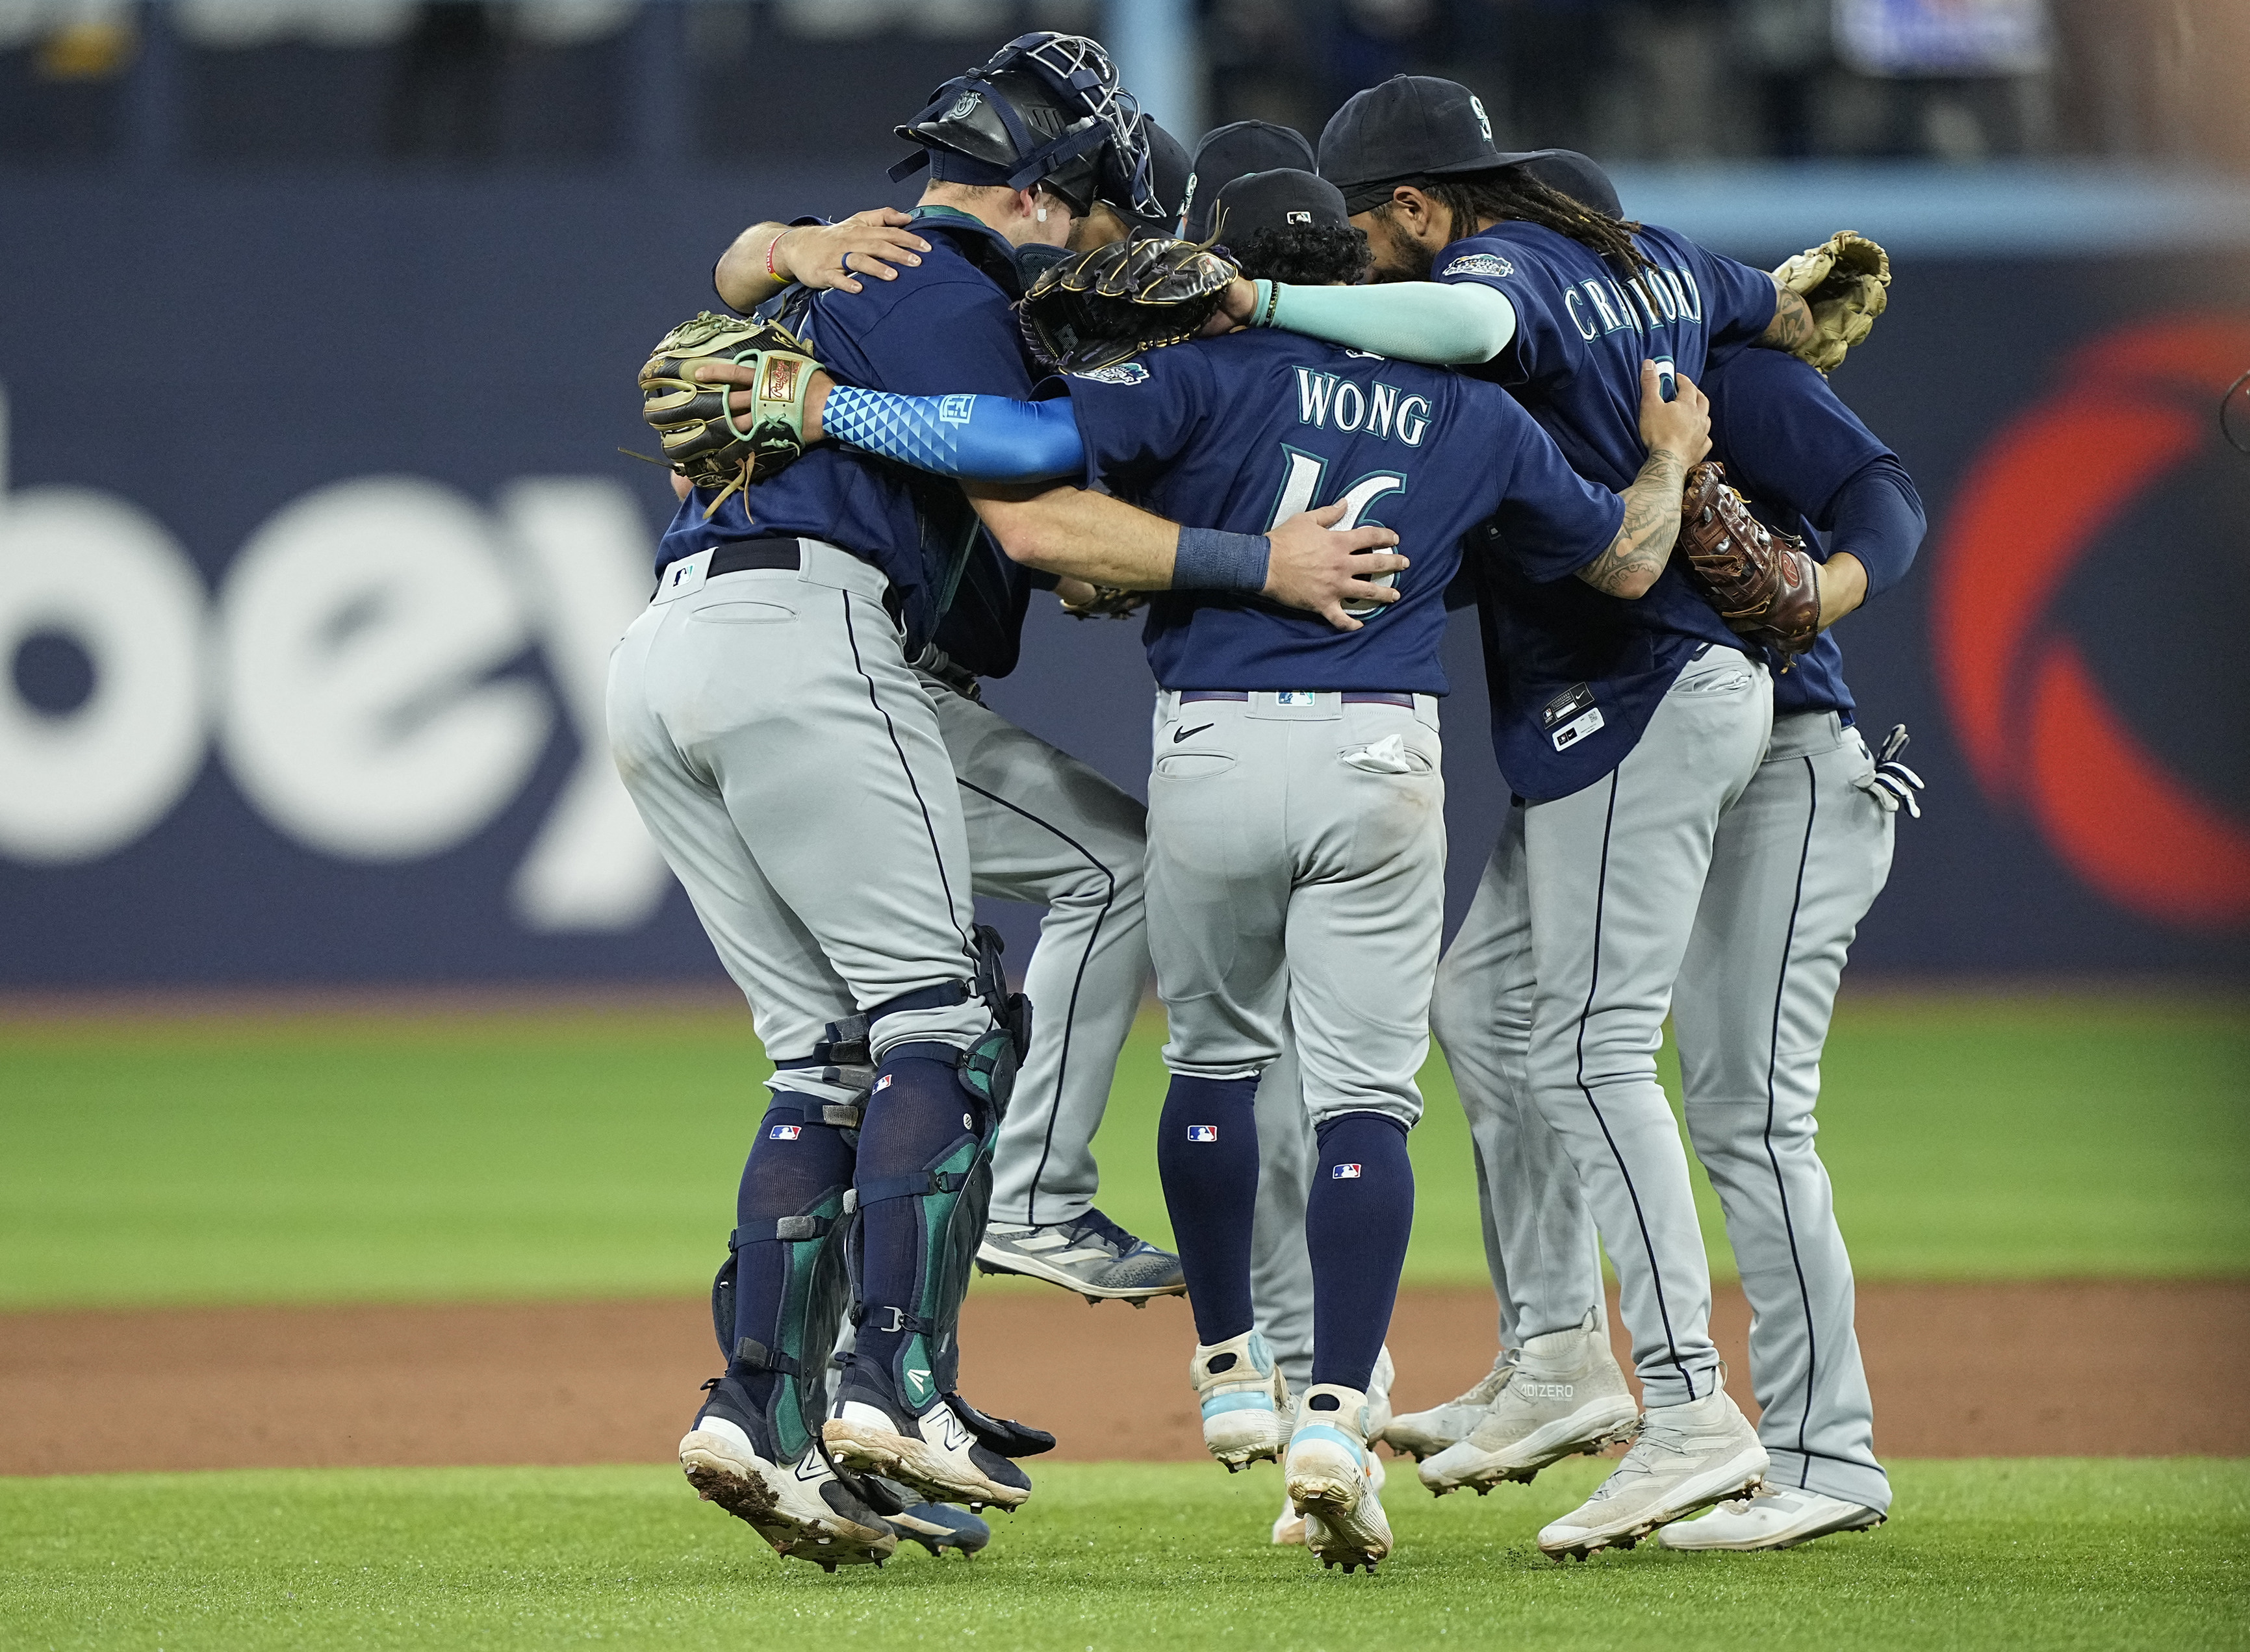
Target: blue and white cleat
pixel 1245 1400
pixel 936 1526
pixel 1329 1482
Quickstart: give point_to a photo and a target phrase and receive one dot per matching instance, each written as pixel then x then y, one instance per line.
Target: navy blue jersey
pixel 1790 445
pixel 1557 652
pixel 1243 431
pixel 943 327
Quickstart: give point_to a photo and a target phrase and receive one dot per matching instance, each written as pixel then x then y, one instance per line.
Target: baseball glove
pixel 702 440
pixel 1763 584
pixel 1108 306
pixel 1846 282
pixel 1107 601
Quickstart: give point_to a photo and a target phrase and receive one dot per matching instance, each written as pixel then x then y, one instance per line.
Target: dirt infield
pixel 2119 1369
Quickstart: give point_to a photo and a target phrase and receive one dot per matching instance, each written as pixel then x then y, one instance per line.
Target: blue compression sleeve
pixel 1878 516
pixel 982 439
pixel 1409 320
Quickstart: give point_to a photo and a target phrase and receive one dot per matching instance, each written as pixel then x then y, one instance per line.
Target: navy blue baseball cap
pixel 1230 152
pixel 1287 197
pixel 1412 126
pixel 1168 179
pixel 1577 176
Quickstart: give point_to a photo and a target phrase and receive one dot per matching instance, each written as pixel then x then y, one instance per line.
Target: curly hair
pixel 1305 255
pixel 1512 192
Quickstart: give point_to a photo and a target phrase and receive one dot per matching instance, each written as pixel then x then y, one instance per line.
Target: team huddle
pixel 1296 406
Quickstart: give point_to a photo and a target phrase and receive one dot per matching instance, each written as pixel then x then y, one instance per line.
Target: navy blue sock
pixel 1357 1224
pixel 1207 1154
pixel 792 1163
pixel 916 1113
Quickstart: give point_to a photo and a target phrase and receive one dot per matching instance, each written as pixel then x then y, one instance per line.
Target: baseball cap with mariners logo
pixel 1233 151
pixel 1412 126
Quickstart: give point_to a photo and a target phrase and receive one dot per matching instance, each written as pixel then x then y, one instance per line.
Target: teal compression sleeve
pixel 980 439
pixel 1410 321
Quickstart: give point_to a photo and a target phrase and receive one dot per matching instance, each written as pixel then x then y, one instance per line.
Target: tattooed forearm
pixel 1643 545
pixel 1792 326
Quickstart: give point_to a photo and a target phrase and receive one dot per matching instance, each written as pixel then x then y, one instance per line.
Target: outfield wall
pixel 314 536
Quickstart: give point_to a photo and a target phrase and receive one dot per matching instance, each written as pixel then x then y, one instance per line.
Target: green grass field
pixel 330 1158
pixel 2051 1554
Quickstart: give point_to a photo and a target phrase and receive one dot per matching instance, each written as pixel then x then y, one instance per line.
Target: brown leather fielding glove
pixel 1093 313
pixel 1845 283
pixel 702 439
pixel 1763 584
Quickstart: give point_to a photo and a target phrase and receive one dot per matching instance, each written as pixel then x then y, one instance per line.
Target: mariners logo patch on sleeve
pixel 1122 373
pixel 1479 264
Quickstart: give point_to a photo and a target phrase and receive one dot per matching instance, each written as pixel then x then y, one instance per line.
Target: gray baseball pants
pixel 1043 827
pixel 1296 879
pixel 1616 874
pixel 789 766
pixel 1800 858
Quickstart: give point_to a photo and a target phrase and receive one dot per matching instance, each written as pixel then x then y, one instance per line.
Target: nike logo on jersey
pixel 1179 734
pixel 1328 402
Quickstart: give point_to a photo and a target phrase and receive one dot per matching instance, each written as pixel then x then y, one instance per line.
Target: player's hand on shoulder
pixel 1312 565
pixel 866 243
pixel 1681 426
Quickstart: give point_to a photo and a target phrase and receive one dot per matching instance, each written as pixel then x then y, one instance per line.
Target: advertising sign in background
pixel 314 535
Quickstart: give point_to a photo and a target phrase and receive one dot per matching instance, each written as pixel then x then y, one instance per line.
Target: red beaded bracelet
pixel 770 245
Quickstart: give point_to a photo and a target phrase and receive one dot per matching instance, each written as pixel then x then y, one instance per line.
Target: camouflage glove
pixel 1845 283
pixel 1763 584
pixel 1104 307
pixel 702 439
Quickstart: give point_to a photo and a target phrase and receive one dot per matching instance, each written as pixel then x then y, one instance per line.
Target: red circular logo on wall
pixel 2039 733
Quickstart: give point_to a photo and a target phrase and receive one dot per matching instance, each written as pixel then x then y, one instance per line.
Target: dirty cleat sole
pixel 784 1505
pixel 942 1475
pixel 1740 1475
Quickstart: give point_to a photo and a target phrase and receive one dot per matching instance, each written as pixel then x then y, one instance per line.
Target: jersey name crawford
pixel 1326 401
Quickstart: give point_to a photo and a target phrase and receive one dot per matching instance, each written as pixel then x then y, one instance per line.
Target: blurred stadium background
pixel 336 969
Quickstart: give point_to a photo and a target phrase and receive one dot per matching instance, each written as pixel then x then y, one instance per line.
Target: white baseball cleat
pixel 943 1451
pixel 1378 1398
pixel 1245 1400
pixel 1329 1482
pixel 802 1509
pixel 1424 1433
pixel 1772 1519
pixel 1688 1456
pixel 1563 1396
pixel 1289 1526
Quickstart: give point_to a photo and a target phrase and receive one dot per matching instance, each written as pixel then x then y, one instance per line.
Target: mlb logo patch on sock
pixel 785 1133
pixel 884 1083
pixel 1344 1172
pixel 1203 1132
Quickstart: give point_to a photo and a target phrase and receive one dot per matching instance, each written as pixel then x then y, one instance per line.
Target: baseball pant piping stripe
pixel 1593 986
pixel 1772 1062
pixel 1078 981
pixel 929 829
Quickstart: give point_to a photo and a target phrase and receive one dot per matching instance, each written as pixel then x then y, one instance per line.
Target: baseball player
pixel 1296 834
pixel 1042 827
pixel 1235 151
pixel 1628 732
pixel 790 766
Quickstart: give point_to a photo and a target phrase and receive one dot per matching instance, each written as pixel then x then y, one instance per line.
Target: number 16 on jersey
pixel 1300 487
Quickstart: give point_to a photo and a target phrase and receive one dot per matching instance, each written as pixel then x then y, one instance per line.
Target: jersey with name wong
pixel 945 326
pixel 1581 331
pixel 1242 432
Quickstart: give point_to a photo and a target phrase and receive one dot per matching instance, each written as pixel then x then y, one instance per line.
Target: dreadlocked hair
pixel 1305 255
pixel 1512 192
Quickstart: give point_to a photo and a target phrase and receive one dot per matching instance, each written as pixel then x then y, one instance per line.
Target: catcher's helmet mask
pixel 1046 106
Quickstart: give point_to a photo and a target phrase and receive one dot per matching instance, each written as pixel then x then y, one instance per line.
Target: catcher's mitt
pixel 1763 584
pixel 1108 306
pixel 1844 282
pixel 702 439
